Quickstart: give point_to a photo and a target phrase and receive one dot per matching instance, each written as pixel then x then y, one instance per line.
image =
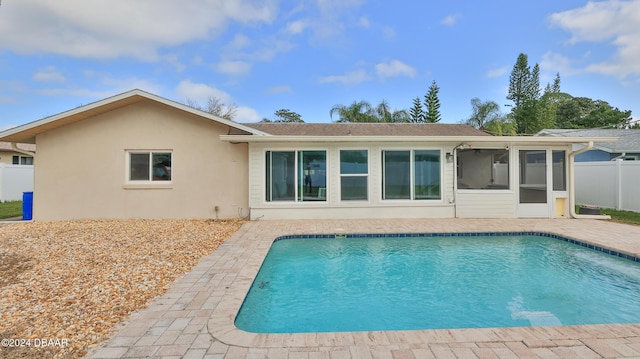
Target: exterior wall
pixel 486 204
pixel 463 203
pixel 6 157
pixel 81 170
pixel 333 207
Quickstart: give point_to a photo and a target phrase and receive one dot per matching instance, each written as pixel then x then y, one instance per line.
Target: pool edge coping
pixel 221 324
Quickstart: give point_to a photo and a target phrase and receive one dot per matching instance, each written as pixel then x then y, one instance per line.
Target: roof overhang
pixel 28 132
pixel 520 140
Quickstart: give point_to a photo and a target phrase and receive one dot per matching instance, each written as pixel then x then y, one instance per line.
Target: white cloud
pixel 395 68
pixel 295 27
pixel 233 67
pixel 112 28
pixel 200 93
pixel 350 78
pixel 449 20
pixel 616 22
pixel 49 74
pixel 388 33
pixel 246 114
pixel 554 62
pixel 364 22
pixel 497 72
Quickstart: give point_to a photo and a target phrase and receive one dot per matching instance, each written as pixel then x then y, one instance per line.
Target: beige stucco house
pixel 20 154
pixel 137 155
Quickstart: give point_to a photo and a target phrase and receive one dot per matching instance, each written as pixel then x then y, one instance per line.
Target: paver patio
pixel 194 319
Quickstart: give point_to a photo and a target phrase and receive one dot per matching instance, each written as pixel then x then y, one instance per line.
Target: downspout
pixel 572 189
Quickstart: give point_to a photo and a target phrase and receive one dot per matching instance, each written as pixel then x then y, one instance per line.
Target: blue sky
pixel 309 55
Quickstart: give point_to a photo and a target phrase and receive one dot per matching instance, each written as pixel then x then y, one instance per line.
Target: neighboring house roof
pixel 628 140
pixel 6 147
pixel 27 133
pixel 366 129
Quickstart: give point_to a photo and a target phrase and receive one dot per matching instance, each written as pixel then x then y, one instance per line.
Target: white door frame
pixel 534 210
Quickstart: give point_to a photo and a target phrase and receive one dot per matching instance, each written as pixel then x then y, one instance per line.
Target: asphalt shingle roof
pixel 366 129
pixel 629 140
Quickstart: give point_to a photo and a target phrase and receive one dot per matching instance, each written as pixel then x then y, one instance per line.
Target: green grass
pixel 11 209
pixel 627 217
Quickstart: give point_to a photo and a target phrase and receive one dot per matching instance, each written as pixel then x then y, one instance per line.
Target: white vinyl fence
pixel 611 184
pixel 14 180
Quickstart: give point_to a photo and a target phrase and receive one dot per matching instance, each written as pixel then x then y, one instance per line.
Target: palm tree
pixel 362 111
pixel 358 111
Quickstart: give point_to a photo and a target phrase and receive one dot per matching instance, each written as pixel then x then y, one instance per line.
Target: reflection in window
pixel 354 169
pixel 483 169
pixel 559 171
pixel 150 166
pixel 398 181
pixel 296 176
pixel 312 175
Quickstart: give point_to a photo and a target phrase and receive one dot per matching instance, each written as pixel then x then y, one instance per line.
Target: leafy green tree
pixel 432 104
pixel 286 115
pixel 548 106
pixel 216 107
pixel 416 114
pixel 583 112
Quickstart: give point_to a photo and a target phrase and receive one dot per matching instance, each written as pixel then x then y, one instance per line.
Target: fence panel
pixel 630 186
pixel 14 180
pixel 611 184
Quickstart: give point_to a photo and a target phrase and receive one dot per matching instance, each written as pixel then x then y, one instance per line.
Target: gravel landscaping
pixel 68 284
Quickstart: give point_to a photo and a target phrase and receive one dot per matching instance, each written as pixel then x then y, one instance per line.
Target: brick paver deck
pixel 194 319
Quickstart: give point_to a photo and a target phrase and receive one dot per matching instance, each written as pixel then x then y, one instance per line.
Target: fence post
pixel 619 183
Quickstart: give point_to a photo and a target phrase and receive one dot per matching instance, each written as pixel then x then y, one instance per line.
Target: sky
pixel 308 56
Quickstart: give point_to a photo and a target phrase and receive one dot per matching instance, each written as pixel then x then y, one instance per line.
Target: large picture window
pixel 411 174
pixel 484 168
pixel 296 176
pixel 354 175
pixel 149 166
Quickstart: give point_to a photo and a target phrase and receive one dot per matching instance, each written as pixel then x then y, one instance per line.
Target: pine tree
pixel 432 104
pixel 416 114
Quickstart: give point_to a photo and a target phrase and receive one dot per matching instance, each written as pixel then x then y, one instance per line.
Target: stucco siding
pixel 81 170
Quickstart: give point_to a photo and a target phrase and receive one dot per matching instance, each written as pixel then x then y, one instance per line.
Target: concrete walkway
pixel 194 319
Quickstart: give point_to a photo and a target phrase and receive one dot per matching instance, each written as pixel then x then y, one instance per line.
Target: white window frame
pixel 21 160
pixel 411 198
pixel 149 182
pixel 367 175
pixel 296 152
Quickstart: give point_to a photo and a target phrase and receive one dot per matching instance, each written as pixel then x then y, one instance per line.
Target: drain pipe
pixel 572 188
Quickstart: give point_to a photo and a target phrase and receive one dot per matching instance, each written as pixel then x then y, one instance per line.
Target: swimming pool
pixel 431 281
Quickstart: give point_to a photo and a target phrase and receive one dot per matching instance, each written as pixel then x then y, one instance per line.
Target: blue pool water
pixel 398 283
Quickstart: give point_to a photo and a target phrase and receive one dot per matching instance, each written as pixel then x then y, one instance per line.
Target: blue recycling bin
pixel 27 206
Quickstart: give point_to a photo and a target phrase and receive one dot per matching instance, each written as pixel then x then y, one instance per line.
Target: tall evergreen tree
pixel 432 104
pixel 416 113
pixel 524 91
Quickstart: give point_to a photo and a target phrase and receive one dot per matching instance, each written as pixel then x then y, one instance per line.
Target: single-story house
pixel 20 154
pixel 138 155
pixel 627 147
